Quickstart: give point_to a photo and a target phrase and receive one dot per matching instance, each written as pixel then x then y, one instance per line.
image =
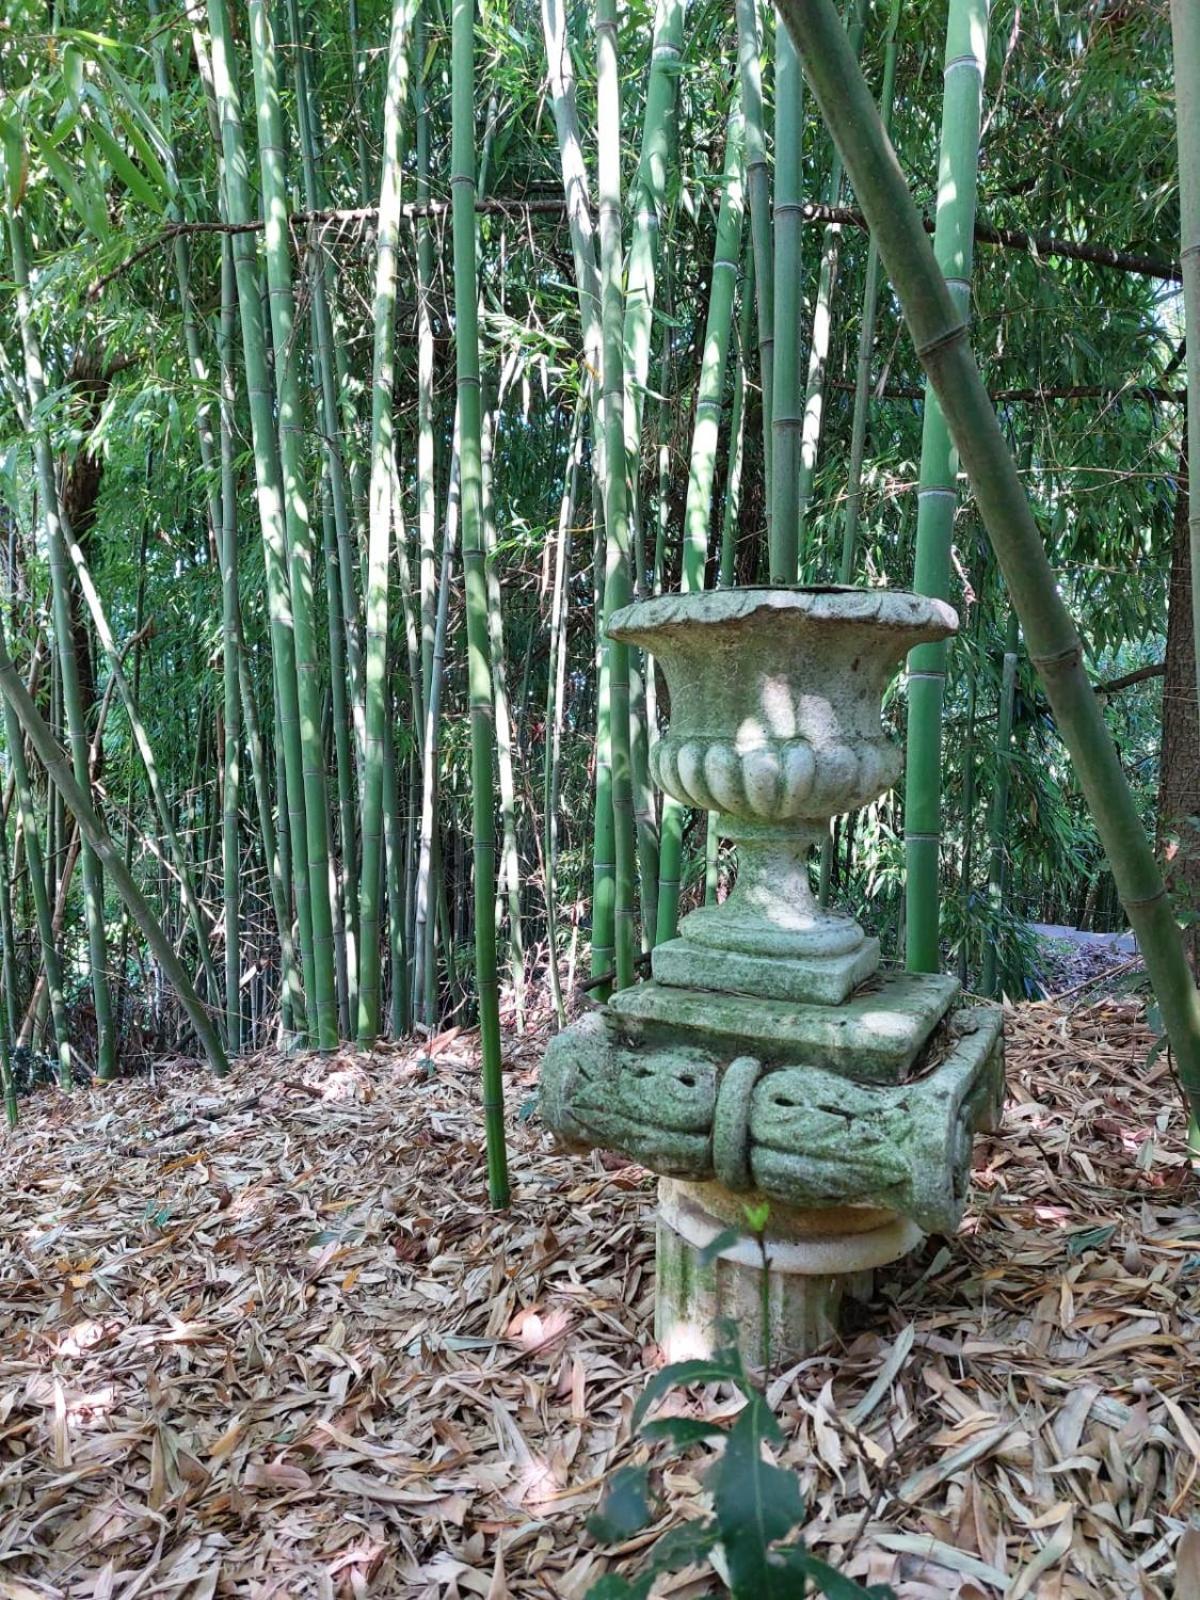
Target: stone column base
pixel 815 1259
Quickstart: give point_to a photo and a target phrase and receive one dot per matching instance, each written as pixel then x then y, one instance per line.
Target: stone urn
pixel 769 1068
pixel 776 699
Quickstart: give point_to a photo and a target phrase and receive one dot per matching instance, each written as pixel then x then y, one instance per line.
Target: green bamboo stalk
pixel 59 770
pixel 939 332
pixel 966 60
pixel 479 673
pixel 727 574
pixel 697 514
pixel 509 885
pixel 647 204
pixel 758 189
pixel 312 845
pixel 561 87
pixel 822 322
pixel 866 336
pixel 230 859
pixel 998 813
pixel 556 674
pixel 426 452
pixel 1185 41
pixel 613 770
pixel 240 209
pixel 9 1011
pixel 58 537
pixel 379 546
pixel 788 413
pixel 394 876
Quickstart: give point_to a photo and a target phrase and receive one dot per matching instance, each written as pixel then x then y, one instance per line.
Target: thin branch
pixel 1037 244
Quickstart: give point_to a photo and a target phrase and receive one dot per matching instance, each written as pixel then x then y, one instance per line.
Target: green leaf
pixel 831 1583
pixel 613 1587
pixel 89 205
pixel 682 1431
pixel 725 1367
pixel 625 1507
pixel 713 1248
pixel 755 1504
pixel 124 169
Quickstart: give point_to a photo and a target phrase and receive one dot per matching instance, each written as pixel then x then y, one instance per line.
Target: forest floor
pixel 264 1338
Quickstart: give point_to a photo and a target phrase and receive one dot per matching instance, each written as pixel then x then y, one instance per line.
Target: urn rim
pixel 923 619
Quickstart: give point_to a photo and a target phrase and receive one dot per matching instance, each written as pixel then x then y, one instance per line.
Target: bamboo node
pixel 942 341
pixel 1070 653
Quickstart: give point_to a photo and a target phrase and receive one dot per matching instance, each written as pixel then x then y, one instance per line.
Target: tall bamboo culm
pixel 380 524
pixel 702 473
pixel 787 410
pixel 937 497
pixel 1185 39
pixel 613 772
pixel 311 845
pixel 758 189
pixel 939 332
pixel 240 208
pixel 479 671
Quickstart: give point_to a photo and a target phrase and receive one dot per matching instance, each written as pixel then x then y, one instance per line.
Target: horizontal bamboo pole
pixel 940 336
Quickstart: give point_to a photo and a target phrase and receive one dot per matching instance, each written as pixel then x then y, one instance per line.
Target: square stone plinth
pixel 815 980
pixel 873 1038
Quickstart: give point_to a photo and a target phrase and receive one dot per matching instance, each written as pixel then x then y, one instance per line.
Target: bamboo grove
pixel 360 363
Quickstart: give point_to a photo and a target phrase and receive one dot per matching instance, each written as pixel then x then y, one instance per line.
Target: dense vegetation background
pixel 126 405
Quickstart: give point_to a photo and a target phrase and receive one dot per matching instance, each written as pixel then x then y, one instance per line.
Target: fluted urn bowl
pixel 775 724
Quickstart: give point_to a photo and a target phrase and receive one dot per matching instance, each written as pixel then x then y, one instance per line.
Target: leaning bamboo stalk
pixel 59 771
pixel 940 334
pixel 479 675
pixel 1185 39
pixel 51 965
pixel 380 527
pixel 58 536
pixel 937 496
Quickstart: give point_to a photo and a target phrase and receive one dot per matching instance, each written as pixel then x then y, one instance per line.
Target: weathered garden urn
pixel 769 1065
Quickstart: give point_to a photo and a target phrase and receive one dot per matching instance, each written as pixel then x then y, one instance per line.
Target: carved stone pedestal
pixel 768 1063
pixel 776 1297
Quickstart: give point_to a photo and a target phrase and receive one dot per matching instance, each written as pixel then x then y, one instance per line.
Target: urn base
pixel 813 980
pixel 774 1311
